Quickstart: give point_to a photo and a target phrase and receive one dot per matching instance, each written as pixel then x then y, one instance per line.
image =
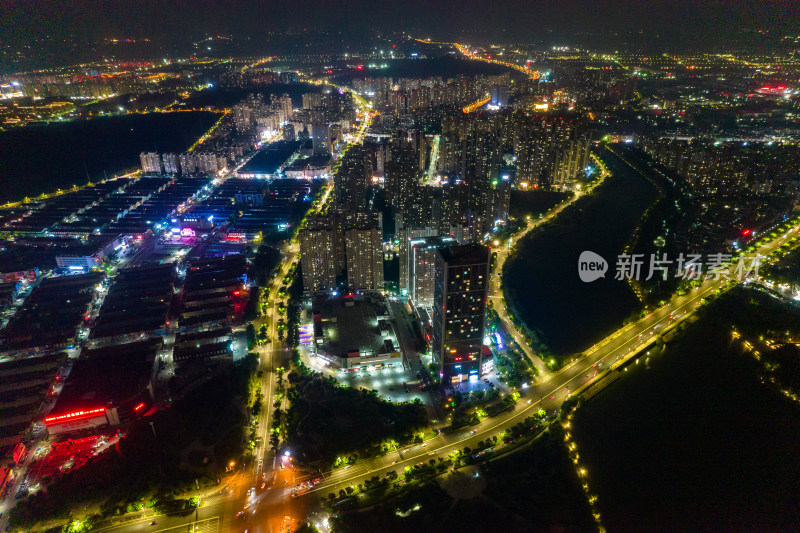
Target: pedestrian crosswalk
pixel 306 333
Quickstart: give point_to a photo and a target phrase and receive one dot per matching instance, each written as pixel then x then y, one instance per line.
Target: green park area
pixel 533 489
pixel 325 420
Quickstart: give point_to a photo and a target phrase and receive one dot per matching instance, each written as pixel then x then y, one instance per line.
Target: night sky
pixel 705 23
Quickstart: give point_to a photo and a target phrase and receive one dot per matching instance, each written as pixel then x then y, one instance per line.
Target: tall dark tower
pixel 459 307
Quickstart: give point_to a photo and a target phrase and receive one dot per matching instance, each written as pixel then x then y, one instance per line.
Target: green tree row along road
pixel 549 394
pixel 267 467
pixel 553 391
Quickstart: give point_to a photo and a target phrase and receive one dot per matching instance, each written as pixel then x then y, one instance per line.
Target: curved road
pixel 496 284
pixel 271 509
pixel 550 393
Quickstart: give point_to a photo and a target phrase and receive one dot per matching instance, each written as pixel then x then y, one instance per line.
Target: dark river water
pixel 541 279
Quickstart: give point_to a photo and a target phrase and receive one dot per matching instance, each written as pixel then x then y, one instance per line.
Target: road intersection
pixel 261 499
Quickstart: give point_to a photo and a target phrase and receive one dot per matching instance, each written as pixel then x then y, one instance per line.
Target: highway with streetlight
pixel 277 504
pixel 269 509
pixel 260 497
pixel 532 74
pixel 274 476
pixel 549 393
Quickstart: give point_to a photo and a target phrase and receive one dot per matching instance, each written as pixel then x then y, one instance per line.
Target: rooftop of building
pixel 270 158
pixel 351 323
pixel 313 161
pixel 52 312
pixel 138 300
pixel 465 254
pixel 434 241
pixel 108 375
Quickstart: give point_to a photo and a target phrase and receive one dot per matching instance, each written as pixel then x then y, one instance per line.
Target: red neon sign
pixel 236 293
pixel 76 415
pixel 139 407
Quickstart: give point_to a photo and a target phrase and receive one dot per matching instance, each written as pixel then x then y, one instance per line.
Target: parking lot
pixel 387 381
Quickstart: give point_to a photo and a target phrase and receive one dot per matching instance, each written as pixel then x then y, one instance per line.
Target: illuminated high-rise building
pixel 353 180
pixel 188 162
pixel 364 252
pixel 321 139
pixel 498 201
pixel 171 163
pixel 461 281
pixel 243 117
pixel 312 100
pixel 499 95
pixel 208 163
pixel 151 162
pixel 406 234
pixel 569 162
pixel 421 260
pixel 400 179
pixel 288 132
pixel 321 253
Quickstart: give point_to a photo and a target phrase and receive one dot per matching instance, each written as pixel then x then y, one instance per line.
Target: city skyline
pixel 324 268
pixel 690 24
